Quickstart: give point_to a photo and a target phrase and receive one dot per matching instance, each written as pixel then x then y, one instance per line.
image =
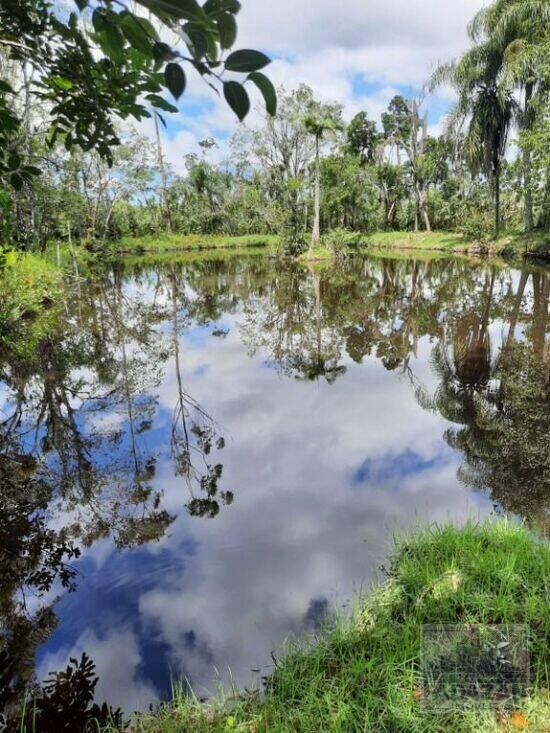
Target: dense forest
pixel 305 169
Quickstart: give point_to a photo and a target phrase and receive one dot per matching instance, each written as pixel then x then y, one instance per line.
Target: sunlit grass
pixel 29 284
pixel 362 673
pixel 536 244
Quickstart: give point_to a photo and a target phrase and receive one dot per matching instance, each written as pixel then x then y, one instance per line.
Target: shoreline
pixel 363 673
pixel 30 282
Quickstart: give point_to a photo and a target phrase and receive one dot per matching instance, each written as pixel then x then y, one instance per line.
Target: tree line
pixel 303 170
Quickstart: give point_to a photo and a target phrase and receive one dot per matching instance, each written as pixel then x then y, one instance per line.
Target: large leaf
pixel 135 34
pixel 232 6
pixel 227 29
pixel 148 27
pixel 237 98
pixel 246 60
pixel 174 76
pixel 158 101
pixel 16 181
pixel 181 9
pixel 111 41
pixel 267 89
pixel 199 41
pixel 163 52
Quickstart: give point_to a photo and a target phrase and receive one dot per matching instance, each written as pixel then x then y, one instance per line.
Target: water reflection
pixel 343 402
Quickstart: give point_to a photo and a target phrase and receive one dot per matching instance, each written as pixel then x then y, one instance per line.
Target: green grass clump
pixel 362 673
pixel 29 285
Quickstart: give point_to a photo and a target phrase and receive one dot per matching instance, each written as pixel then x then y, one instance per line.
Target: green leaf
pixel 16 181
pixel 111 41
pixel 81 4
pixel 99 21
pixel 267 89
pixel 246 60
pixel 199 42
pixel 5 87
pixel 183 9
pixel 158 101
pixel 237 98
pixel 149 28
pixel 14 161
pixel 163 52
pixel 227 29
pixel 135 34
pixel 232 6
pixel 8 122
pixel 60 82
pixel 212 7
pixel 174 76
pixel 32 170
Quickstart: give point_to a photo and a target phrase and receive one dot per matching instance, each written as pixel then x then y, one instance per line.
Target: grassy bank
pixel 363 673
pixel 29 286
pixel 536 244
pixel 509 245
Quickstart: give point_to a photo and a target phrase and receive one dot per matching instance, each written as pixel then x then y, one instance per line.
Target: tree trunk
pixel 421 206
pixel 315 236
pixel 497 198
pixel 527 121
pixel 163 176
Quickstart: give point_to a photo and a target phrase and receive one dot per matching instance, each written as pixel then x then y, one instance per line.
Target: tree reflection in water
pixel 80 428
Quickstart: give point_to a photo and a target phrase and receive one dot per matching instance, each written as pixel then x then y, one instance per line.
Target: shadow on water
pixel 83 426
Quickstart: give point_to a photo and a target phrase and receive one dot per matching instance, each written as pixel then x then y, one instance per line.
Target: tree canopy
pixel 106 60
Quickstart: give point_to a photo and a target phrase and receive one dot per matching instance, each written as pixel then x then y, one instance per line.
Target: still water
pixel 199 459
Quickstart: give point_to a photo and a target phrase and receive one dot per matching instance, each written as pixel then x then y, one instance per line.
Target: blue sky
pixel 356 52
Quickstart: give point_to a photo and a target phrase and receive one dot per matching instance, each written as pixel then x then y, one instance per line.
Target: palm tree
pixel 318 124
pixel 520 28
pixel 491 120
pixel 487 103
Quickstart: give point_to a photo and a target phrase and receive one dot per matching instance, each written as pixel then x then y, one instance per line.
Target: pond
pixel 202 458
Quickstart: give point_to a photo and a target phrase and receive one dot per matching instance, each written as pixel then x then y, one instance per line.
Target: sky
pixel 359 53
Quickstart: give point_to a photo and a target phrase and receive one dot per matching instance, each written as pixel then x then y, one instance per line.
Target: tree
pixel 488 106
pixel 404 128
pixel 318 123
pixel 101 62
pixel 362 137
pixel 521 29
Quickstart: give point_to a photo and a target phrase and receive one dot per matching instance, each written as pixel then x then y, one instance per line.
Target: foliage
pixel 300 169
pixel 507 61
pixel 66 702
pixel 28 284
pixel 86 72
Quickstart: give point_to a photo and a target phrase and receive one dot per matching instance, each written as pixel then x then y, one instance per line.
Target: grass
pixel 441 241
pixel 29 286
pixel 179 242
pixel 536 244
pixel 362 673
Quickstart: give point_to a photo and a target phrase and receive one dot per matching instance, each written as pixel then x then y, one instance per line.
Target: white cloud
pixel 356 53
pixel 117 659
pixel 305 25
